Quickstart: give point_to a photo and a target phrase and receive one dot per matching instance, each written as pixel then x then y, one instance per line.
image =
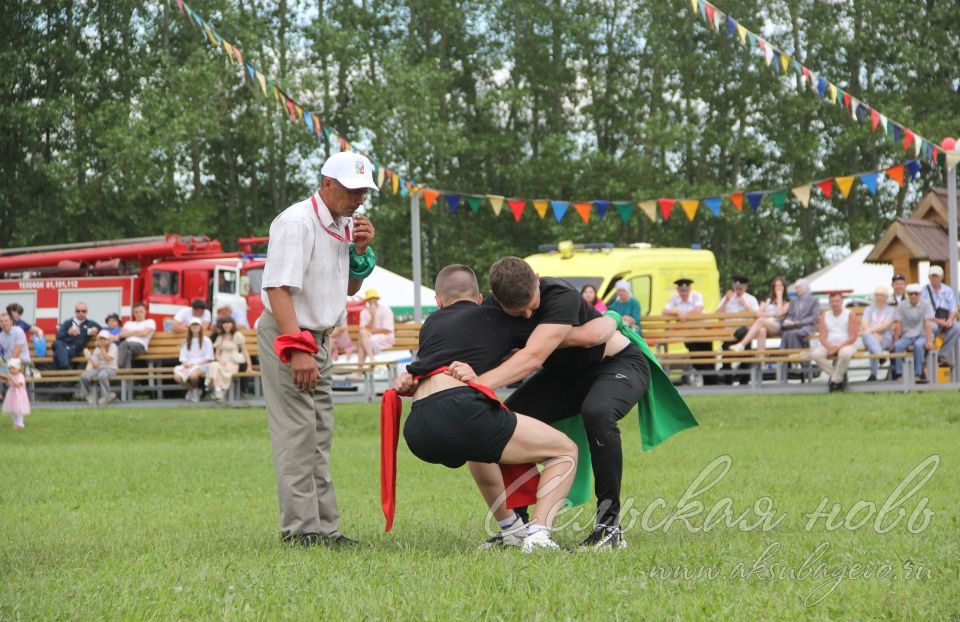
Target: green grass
pixel 171 514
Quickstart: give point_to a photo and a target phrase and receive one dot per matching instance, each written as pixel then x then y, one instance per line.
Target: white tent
pixel 397 291
pixel 851 274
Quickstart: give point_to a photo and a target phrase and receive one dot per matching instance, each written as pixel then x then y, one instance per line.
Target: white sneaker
pixel 738 347
pixel 92 398
pixel 106 399
pixel 511 537
pixel 539 540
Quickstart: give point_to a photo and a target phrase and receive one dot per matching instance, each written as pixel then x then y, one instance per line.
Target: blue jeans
pixel 919 353
pixel 875 345
pixel 62 353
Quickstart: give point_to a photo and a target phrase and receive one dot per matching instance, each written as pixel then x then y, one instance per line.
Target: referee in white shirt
pixel 316 257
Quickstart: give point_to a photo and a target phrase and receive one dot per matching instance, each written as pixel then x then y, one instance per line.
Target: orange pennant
pixel 896 174
pixel 430 197
pixel 583 208
pixel 737 199
pixel 394 182
pixel 516 206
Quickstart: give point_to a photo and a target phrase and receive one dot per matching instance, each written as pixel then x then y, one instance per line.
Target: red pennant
pixel 430 197
pixel 344 145
pixel 516 206
pixel 180 4
pixel 907 138
pixel 666 206
pixel 710 20
pixel 584 207
pixel 292 108
pixel 806 75
pixel 827 187
pixel 896 174
pixel 737 199
pixel 936 154
pixel 875 118
pixel 846 101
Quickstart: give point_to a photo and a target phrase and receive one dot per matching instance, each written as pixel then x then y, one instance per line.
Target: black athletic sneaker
pixel 604 537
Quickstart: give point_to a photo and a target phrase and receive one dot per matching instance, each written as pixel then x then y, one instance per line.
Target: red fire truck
pixel 165 272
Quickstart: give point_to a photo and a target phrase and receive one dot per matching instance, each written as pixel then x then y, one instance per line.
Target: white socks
pixel 532 529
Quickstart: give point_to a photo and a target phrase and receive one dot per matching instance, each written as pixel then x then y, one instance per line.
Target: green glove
pixel 361 265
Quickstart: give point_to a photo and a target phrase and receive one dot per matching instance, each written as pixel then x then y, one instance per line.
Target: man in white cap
pixel 913 327
pixel 944 304
pixel 319 253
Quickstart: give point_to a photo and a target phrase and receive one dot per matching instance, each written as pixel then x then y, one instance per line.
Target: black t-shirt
pixel 560 303
pixel 479 335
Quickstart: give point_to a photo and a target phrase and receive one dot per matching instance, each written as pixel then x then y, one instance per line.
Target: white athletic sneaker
pixel 737 347
pixel 539 540
pixel 511 537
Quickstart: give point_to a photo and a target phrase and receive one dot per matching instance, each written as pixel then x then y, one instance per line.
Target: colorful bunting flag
pixel 907 139
pixel 844 184
pixel 826 186
pixel 559 209
pixel 870 181
pixel 496 202
pixel 803 194
pixel 649 209
pixel 308 120
pixel 540 207
pixel 754 199
pixel 690 207
pixel 625 210
pixel 666 206
pixel 453 202
pixel 779 199
pixel 430 197
pixel 737 199
pixel 516 206
pixel 395 183
pixel 601 208
pixel 731 26
pixel 381 176
pixel 292 108
pixel 742 33
pixel 713 204
pixel 896 174
pixel 914 167
pixel 784 62
pixel 583 208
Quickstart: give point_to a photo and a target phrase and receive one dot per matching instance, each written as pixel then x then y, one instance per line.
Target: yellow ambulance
pixel 650 271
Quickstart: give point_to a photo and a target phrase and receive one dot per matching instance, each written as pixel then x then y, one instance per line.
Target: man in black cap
pixel 684 304
pixel 899 284
pixel 737 300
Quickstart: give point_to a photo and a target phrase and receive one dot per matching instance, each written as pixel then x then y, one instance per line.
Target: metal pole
pixel 415 255
pixel 952 231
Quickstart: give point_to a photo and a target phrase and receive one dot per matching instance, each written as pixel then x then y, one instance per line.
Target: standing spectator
pixel 626 305
pixel 112 327
pixel 944 304
pixel 589 293
pixel 769 317
pixel 16 312
pixel 13 341
pixel 136 335
pixel 838 329
pixel 913 327
pixel 737 300
pixel 801 320
pixel 197 309
pixel 72 336
pixel 230 352
pixel 899 285
pixel 16 403
pixel 376 329
pixel 196 354
pixel 876 328
pixel 101 366
pixel 225 310
pixel 684 304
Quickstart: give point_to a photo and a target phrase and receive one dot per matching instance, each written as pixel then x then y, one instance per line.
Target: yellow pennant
pixel 541 208
pixel 803 194
pixel 213 39
pixel 496 202
pixel 229 50
pixel 395 181
pixel 649 208
pixel 299 113
pixel 276 93
pixel 690 207
pixel 263 83
pixel 784 62
pixel 694 5
pixel 742 33
pixel 844 183
pixel 832 89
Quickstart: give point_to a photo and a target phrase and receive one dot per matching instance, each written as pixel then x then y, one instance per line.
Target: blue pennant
pixel 601 207
pixel 870 181
pixel 731 26
pixel 913 166
pixel 713 204
pixel 821 86
pixel 251 70
pixel 453 202
pixel 559 209
pixel 404 191
pixel 754 198
pixel 308 119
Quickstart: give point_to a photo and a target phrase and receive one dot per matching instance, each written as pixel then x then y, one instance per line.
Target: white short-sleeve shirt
pixel 183 315
pixel 676 303
pixel 308 252
pixel 734 306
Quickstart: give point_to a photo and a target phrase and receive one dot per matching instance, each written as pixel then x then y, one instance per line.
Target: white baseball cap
pixel 352 170
pixel 935 270
pixel 913 288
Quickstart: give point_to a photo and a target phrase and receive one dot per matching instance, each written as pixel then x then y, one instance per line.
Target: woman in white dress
pixel 769 317
pixel 230 351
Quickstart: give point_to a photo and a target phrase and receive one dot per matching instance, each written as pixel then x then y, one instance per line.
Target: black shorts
pixel 456 425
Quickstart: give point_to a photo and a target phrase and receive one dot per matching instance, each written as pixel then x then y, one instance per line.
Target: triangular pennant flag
pixel 846 100
pixel 453 202
pixel 719 18
pixel 874 119
pixel 779 199
pixel 308 120
pixel 344 145
pixel 914 167
pixel 832 89
pixel 844 184
pixel 229 50
pixel 317 128
pixel 559 209
pixel 934 156
pixel 918 146
pixel 731 26
pixel 625 210
pixel 236 52
pixel 896 134
pixel 690 207
pixel 796 66
pixel 784 62
pixel 251 70
pixel 666 206
pixel 540 207
pixel 292 108
pixel 953 158
pixel 870 181
pixel 395 183
pixel 299 112
pixel 263 83
pixel 821 87
pixel 703 9
pixel 713 204
pixel 805 75
pixel 583 207
pixel 803 194
pixel 754 199
pixel 826 186
pixel 516 206
pixel 907 138
pixel 813 80
pixel 601 207
pixel 896 174
pixel 710 17
pixel 767 53
pixel 430 197
pixel 737 199
pixel 474 203
pixel 213 39
pixel 649 209
pixel 776 59
pixel 496 202
pixel 694 5
pixel 742 33
pixel 405 187
pixel 381 177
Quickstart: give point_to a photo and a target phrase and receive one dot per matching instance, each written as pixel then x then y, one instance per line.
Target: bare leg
pixel 490 482
pixel 364 348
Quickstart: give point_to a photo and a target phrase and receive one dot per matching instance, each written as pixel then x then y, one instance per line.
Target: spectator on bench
pixel 136 335
pixel 626 305
pixel 376 330
pixel 13 341
pixel 876 328
pixel 72 336
pixel 684 304
pixel 899 285
pixel 230 352
pixel 16 313
pixel 801 320
pixel 737 300
pixel 112 327
pixel 769 317
pixel 913 327
pixel 225 310
pixel 589 294
pixel 944 304
pixel 838 329
pixel 101 366
pixel 196 354
pixel 186 315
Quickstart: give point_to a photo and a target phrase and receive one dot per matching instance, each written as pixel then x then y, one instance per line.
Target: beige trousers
pixel 301 430
pixel 837 370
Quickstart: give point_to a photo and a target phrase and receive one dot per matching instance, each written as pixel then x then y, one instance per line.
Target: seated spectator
pixel 72 336
pixel 136 335
pixel 899 285
pixel 737 300
pixel 340 342
pixel 376 329
pixel 184 316
pixel 13 341
pixel 16 312
pixel 225 310
pixel 101 366
pixel 112 327
pixel 769 317
pixel 913 327
pixel 684 304
pixel 876 328
pixel 944 304
pixel 626 305
pixel 230 352
pixel 196 354
pixel 838 328
pixel 801 320
pixel 589 293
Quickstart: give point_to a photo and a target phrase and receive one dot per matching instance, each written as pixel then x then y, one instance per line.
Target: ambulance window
pixel 256 280
pixel 227 282
pixel 579 281
pixel 165 283
pixel 641 291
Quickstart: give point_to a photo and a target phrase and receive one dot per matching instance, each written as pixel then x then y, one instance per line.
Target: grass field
pixel 171 514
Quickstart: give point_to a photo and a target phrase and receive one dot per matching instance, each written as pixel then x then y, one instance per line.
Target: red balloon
pixel 949 144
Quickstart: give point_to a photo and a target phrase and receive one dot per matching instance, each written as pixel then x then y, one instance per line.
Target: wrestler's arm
pixel 541 344
pixel 593 333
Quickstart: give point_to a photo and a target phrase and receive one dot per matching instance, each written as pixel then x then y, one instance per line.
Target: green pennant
pixel 889 128
pixel 779 198
pixel 625 210
pixel 474 203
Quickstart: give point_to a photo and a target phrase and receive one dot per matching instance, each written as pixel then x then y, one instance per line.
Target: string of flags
pixel 651 208
pixel 723 23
